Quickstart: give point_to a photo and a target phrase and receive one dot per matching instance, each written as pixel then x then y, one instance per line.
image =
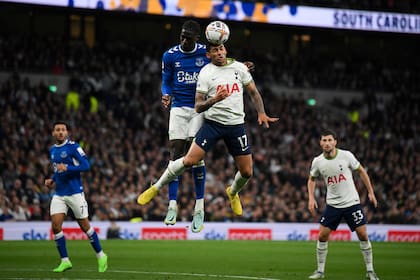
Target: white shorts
pixel 184 122
pixel 77 203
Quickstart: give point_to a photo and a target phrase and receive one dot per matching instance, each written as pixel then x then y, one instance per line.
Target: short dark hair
pixel 209 45
pixel 192 26
pixel 327 131
pixel 61 122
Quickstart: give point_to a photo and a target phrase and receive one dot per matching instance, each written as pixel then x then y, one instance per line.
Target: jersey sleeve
pixel 203 81
pixel 245 74
pixel 79 155
pixel 167 74
pixel 314 171
pixel 354 164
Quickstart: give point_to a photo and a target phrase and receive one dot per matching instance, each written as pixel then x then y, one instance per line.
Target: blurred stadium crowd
pixel 125 133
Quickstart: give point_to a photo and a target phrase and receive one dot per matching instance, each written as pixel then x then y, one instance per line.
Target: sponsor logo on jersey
pixel 336 179
pixel 187 78
pixel 164 233
pixel 230 88
pixel 249 234
pixel 341 235
pixel 403 236
pixel 63 154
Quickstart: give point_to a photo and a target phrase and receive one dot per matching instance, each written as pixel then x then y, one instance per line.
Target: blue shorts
pixel 353 216
pixel 234 137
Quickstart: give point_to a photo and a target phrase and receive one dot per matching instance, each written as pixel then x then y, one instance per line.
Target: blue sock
pixel 199 175
pixel 94 240
pixel 173 189
pixel 60 241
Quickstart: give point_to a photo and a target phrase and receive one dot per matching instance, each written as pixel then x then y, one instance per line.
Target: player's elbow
pixel 198 109
pixel 85 166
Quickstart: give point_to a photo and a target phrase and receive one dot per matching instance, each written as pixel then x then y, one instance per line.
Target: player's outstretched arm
pixel 250 65
pixel 259 105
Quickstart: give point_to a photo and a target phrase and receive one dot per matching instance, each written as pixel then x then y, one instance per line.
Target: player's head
pixel 328 140
pixel 60 131
pixel 216 53
pixel 190 33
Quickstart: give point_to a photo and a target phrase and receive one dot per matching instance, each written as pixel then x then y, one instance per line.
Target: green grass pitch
pixel 172 260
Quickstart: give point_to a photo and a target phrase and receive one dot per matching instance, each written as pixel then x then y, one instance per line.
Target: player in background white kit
pixel 220 89
pixel 336 166
pixel 69 160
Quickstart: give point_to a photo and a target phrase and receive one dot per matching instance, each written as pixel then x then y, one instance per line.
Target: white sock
pixel 172 203
pixel 174 169
pixel 58 235
pixel 100 254
pixel 199 204
pixel 90 231
pixel 321 255
pixel 238 183
pixel 366 249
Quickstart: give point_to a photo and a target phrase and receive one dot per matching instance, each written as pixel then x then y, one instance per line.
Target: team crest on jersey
pixel 199 62
pixel 63 154
pixel 177 64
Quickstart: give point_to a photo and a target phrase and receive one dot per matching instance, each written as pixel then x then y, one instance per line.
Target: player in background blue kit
pixel 180 67
pixel 69 160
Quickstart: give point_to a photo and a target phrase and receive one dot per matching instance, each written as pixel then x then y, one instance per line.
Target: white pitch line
pixel 202 275
pixel 196 275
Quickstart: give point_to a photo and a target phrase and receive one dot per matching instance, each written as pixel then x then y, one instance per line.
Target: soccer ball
pixel 217 32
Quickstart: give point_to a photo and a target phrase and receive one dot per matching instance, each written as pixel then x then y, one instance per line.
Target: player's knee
pixel 188 161
pixel 246 172
pixel 199 163
pixel 323 236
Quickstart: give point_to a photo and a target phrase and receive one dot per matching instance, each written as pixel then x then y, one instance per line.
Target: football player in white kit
pixel 336 166
pixel 220 89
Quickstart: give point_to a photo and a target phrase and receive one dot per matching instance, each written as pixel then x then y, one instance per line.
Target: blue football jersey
pixel 71 154
pixel 180 73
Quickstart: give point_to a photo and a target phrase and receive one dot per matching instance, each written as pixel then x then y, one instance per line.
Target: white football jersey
pixel 234 76
pixel 337 173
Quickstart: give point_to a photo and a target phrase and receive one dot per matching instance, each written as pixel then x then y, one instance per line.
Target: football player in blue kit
pixel 180 67
pixel 69 160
